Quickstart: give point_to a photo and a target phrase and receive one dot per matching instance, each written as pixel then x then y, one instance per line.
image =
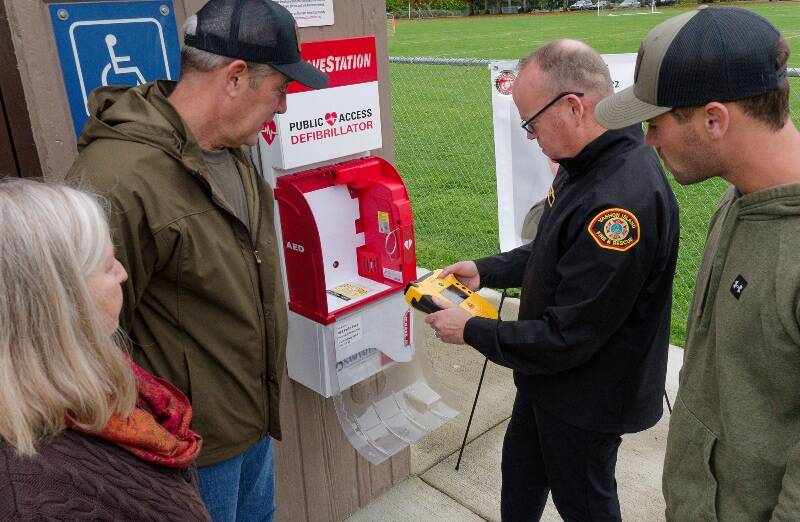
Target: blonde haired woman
pixel 84 433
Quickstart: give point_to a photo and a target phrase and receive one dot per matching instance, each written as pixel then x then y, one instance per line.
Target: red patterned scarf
pixel 158 428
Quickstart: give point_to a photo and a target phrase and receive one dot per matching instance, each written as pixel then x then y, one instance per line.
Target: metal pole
pixel 477 393
pixel 471 413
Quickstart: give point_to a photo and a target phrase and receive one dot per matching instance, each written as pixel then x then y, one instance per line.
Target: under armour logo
pixel 738 286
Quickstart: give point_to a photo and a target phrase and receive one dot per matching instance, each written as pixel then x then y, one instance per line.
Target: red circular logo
pixel 505 82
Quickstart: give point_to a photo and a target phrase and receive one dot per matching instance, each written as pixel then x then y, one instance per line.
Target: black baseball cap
pixel 718 54
pixel 260 31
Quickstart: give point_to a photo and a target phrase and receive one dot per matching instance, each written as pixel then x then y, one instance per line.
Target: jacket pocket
pixel 197 396
pixel 689 484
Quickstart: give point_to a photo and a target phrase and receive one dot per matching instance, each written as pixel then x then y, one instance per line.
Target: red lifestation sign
pixel 347 61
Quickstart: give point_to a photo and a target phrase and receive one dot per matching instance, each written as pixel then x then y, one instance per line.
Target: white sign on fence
pixel 523 171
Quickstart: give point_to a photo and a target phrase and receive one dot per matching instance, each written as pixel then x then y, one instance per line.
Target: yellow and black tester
pixel 419 295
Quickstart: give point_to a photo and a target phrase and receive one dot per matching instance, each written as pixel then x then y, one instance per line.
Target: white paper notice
pixel 348 332
pixel 310 13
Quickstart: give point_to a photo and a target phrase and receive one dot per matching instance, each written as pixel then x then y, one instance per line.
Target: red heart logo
pixel 269 131
pixel 331 118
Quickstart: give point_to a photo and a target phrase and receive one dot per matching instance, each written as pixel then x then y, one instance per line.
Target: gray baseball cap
pixel 260 31
pixel 710 54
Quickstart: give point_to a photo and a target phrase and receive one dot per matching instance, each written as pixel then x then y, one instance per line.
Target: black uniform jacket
pixel 591 342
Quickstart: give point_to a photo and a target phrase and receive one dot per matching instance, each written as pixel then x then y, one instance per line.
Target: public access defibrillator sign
pixel 337 121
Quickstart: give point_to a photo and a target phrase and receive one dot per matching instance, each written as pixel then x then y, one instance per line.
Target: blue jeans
pixel 241 489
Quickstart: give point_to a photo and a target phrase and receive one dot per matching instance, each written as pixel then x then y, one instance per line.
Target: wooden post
pixel 18 155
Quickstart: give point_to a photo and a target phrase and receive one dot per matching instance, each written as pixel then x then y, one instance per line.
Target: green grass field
pixel 443 126
pixel 514 36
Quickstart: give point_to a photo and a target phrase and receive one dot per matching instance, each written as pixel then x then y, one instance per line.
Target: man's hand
pixel 449 322
pixel 466 272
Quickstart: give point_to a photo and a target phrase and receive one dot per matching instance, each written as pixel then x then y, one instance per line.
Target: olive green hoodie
pixel 733 450
pixel 204 302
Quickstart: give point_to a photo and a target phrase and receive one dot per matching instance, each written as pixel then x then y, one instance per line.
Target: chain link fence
pixel 444 147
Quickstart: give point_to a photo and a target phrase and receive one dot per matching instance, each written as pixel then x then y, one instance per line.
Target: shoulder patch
pixel 615 229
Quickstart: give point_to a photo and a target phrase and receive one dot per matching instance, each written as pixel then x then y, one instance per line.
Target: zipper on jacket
pixel 259 295
pixel 264 326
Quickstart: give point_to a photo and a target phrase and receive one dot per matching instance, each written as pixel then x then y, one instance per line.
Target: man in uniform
pixel 193 224
pixel 589 350
pixel 712 85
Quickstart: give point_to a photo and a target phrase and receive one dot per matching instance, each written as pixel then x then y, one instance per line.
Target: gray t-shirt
pixel 223 170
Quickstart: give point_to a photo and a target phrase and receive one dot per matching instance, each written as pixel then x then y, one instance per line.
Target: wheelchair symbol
pixel 116 62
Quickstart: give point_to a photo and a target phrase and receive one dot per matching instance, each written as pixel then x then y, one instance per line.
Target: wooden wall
pixel 18 155
pixel 320 476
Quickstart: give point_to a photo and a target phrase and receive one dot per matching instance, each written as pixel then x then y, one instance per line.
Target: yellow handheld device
pixel 419 295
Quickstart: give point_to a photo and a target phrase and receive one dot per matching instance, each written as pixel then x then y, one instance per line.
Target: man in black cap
pixel 711 83
pixel 589 349
pixel 193 225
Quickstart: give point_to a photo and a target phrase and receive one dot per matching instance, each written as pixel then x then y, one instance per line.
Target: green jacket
pixel 204 302
pixel 733 450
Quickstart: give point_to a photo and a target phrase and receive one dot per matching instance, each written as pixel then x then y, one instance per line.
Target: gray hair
pixel 572 65
pixel 198 60
pixel 57 363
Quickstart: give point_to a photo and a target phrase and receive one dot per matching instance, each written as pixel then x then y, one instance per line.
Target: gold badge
pixel 551 195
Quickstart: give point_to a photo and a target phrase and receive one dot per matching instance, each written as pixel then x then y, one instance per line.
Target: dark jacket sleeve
pixel 504 270
pixel 596 291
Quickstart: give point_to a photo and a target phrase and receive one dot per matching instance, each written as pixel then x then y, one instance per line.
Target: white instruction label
pixel 357 367
pixel 310 13
pixel 394 275
pixel 348 332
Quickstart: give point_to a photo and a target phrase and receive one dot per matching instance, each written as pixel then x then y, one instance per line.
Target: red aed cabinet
pixel 348 236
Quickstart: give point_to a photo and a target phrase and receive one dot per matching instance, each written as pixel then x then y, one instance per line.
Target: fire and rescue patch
pixel 615 229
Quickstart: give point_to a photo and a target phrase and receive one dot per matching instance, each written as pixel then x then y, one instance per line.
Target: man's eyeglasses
pixel 528 124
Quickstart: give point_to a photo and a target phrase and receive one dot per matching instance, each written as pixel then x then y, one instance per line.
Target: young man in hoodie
pixel 589 350
pixel 193 226
pixel 712 86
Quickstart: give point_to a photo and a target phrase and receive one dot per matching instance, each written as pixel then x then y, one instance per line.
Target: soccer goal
pixel 625 7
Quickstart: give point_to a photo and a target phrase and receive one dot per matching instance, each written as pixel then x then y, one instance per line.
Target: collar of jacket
pixel 143 114
pixel 610 143
pixel 190 152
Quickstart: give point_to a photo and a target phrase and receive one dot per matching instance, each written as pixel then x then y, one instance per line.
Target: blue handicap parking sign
pixel 113 43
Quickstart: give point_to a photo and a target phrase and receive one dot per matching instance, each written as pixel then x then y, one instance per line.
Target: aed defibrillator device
pixel 419 294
